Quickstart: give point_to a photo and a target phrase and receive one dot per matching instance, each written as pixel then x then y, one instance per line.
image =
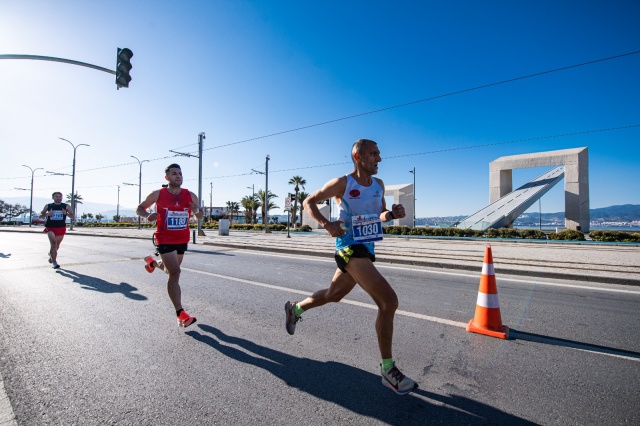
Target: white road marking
pixel 584 348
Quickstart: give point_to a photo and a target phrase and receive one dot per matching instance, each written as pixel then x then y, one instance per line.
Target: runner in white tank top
pixel 362 211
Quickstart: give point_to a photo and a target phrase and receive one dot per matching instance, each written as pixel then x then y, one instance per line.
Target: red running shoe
pixel 185 320
pixel 149 264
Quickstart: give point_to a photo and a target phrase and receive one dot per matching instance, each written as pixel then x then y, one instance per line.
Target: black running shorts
pixel 168 248
pixel 356 250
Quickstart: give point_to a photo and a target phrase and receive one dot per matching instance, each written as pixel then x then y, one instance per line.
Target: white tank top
pixel 360 210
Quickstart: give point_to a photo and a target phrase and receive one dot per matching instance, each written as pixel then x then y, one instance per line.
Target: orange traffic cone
pixel 487 319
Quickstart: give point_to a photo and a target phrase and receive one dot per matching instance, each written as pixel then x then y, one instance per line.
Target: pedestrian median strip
pixel 601 350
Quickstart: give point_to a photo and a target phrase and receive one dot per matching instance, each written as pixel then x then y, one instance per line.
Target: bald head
pixel 358 145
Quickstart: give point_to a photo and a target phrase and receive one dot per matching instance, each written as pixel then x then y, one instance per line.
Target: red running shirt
pixel 172 224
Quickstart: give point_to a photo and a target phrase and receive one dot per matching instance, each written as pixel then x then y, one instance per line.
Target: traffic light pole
pixel 201 137
pixel 66 61
pixel 123 64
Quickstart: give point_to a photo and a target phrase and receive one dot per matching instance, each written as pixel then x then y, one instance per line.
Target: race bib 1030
pixel 366 228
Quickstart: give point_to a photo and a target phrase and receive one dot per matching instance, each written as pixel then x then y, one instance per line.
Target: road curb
pixel 441 265
pixel 461 266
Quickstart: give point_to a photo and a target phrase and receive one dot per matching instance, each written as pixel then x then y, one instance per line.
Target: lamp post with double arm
pixel 139 184
pixel 31 197
pixel 73 180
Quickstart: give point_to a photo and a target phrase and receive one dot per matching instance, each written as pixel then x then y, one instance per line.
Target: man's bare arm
pixel 148 202
pixel 333 189
pixel 195 206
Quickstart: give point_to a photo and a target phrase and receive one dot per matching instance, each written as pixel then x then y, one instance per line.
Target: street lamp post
pixel 139 184
pixel 253 196
pixel 265 202
pixel 413 172
pixel 31 198
pixel 118 205
pixel 73 180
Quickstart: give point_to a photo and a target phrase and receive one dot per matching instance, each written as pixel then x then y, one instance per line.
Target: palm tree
pixel 247 205
pixel 233 208
pixel 78 200
pixel 250 204
pixel 298 181
pixel 302 196
pixel 269 205
pixel 256 203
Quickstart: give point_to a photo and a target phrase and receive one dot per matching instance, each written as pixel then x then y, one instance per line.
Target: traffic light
pixel 123 67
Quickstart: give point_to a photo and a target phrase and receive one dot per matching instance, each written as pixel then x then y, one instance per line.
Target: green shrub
pixel 534 234
pixel 567 234
pixel 467 232
pixel 391 230
pixel 509 233
pixel 615 236
pixel 492 233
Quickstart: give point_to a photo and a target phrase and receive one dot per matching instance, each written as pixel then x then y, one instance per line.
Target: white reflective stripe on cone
pixel 488 300
pixel 487 269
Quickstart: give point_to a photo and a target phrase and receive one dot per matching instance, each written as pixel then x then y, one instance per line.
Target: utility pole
pixel 211 201
pixel 414 195
pixel 266 195
pixel 118 205
pixel 201 138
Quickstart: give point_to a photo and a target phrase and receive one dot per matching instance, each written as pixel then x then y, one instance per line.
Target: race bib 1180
pixel 366 228
pixel 177 221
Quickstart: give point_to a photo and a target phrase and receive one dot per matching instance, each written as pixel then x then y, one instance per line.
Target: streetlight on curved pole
pixel 413 172
pixel 73 180
pixel 139 184
pixel 31 198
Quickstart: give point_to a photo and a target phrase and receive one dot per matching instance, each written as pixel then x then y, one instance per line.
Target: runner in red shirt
pixel 55 227
pixel 174 207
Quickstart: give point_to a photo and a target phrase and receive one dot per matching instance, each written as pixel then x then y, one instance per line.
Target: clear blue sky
pixel 239 70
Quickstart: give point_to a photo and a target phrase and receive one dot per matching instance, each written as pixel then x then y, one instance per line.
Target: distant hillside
pixel 623 213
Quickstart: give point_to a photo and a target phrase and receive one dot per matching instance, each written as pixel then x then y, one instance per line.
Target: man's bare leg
pixel 170 264
pixel 341 285
pixel 369 278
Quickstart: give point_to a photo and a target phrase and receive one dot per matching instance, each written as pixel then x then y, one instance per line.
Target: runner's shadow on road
pixel 354 389
pixel 5 256
pixel 556 341
pixel 88 282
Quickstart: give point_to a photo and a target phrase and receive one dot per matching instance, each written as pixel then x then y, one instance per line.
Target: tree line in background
pixel 251 204
pixel 11 211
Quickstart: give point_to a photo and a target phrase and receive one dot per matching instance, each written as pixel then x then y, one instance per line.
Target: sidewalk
pixel 582 261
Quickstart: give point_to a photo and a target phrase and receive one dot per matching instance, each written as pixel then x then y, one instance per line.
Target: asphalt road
pixel 96 342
